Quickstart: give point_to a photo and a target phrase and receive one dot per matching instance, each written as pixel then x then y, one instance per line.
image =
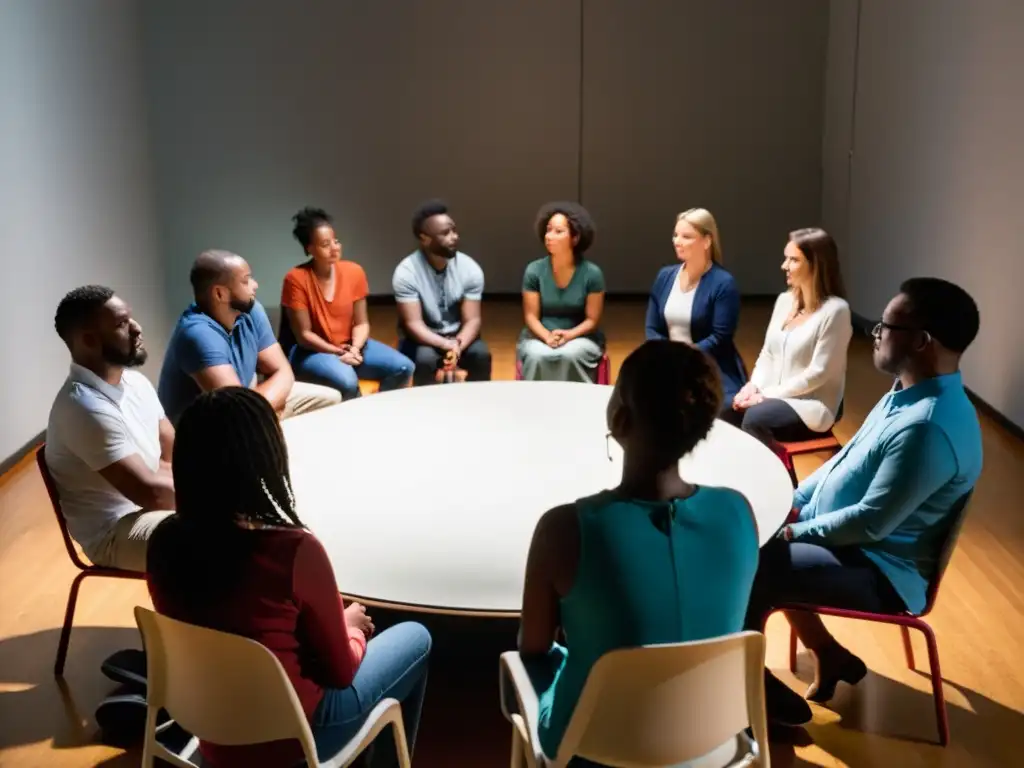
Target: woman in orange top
pixel 324 302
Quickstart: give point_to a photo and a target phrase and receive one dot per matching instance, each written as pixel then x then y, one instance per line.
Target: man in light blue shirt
pixel 438 290
pixel 871 523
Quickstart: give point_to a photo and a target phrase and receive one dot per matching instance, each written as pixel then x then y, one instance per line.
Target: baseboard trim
pixel 865 326
pixel 12 461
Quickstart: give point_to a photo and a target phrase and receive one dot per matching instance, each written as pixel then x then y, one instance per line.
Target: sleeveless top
pixel 649 572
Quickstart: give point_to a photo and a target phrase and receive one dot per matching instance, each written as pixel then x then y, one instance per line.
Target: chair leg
pixel 941 716
pixel 517 750
pixel 65 632
pixel 908 646
pixel 792 650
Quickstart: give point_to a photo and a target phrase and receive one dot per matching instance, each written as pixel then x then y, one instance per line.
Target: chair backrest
pixel 51 491
pixel 285 337
pixel 220 687
pixel 661 705
pixel 957 516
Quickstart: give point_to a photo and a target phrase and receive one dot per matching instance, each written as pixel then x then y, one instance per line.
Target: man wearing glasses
pixel 871 522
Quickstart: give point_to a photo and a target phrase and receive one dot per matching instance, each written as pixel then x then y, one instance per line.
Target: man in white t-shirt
pixel 108 442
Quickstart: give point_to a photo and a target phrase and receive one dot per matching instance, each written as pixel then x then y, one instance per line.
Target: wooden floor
pixel 888 720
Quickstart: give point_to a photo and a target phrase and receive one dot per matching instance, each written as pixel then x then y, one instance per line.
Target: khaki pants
pixel 306 398
pixel 125 546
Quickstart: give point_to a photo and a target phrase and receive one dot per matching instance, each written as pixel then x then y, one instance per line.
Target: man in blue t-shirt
pixel 224 339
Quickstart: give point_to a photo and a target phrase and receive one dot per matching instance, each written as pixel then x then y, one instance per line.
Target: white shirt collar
pixel 81 374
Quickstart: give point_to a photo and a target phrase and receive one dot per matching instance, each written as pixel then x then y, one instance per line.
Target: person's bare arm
pixel 166 442
pixel 531 316
pixel 411 315
pixel 550 572
pixel 302 329
pixel 215 377
pixel 360 324
pixel 141 485
pixel 279 378
pixel 472 318
pixel 594 308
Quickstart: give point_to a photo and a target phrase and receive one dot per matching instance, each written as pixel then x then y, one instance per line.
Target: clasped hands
pixel 350 355
pixel 556 339
pixel 747 397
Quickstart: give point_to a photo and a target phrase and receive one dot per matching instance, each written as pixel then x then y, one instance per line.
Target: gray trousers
pixel 576 360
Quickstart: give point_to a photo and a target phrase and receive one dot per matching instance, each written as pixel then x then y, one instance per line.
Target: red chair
pixel 827 443
pixel 86 569
pixel 604 370
pixel 906 621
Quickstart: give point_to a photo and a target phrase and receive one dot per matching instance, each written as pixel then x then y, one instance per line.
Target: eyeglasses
pixel 881 325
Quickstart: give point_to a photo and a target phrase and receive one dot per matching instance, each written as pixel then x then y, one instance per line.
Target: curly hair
pixel 581 225
pixel 307 221
pixel 78 308
pixel 425 211
pixel 673 393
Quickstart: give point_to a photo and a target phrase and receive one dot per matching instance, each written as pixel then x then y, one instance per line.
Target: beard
pixel 245 307
pixel 443 252
pixel 133 359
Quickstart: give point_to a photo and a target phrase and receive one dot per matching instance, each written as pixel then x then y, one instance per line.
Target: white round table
pixel 427 498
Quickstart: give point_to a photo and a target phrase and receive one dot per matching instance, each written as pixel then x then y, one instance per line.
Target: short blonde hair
pixel 702 220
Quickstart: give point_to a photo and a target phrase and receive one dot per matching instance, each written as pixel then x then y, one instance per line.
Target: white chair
pixel 653 706
pixel 200 676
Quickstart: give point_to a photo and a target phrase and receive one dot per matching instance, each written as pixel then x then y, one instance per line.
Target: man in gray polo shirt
pixel 438 290
pixel 108 442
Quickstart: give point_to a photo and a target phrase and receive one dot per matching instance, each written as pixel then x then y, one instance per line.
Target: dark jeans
pixel 475 360
pixel 771 420
pixel 796 572
pixel 395 666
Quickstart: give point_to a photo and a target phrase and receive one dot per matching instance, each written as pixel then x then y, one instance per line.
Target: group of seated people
pixel 192 485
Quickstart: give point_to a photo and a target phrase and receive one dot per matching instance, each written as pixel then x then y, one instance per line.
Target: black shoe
pixel 841 666
pixel 784 705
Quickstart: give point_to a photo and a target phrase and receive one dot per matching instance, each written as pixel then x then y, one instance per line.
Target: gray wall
pixel 693 103
pixel 75 197
pixel 261 107
pixel 937 176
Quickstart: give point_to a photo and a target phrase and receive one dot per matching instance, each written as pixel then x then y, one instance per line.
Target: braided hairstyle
pixel 230 468
pixel 671 394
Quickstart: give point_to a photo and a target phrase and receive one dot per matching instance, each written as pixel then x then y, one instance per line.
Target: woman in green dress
pixel 563 297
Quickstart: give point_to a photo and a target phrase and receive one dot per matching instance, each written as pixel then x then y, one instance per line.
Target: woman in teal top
pixel 563 296
pixel 655 560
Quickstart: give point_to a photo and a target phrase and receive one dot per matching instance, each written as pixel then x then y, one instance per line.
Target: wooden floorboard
pixel 888 720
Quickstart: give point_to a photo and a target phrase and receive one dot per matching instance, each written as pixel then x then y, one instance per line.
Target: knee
pixel 326 396
pixel 405 367
pixel 413 637
pixel 426 357
pixel 347 383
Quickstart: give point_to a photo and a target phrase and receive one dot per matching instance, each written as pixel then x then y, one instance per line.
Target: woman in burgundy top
pixel 236 558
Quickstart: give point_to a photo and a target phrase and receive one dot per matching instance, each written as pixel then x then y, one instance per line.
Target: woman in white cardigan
pixel 797 384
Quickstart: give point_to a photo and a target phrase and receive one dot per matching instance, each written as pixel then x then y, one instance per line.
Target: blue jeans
pixel 395 667
pixel 380 363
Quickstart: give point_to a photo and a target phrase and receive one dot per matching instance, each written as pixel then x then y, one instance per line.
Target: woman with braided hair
pixel 654 560
pixel 236 558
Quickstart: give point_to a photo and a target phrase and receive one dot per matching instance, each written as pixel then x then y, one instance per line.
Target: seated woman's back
pixel 656 560
pixel 651 572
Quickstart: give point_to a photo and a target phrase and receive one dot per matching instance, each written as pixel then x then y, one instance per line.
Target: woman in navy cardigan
pixel 696 301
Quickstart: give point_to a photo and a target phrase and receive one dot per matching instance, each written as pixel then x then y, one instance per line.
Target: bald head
pixel 223 279
pixel 213 267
